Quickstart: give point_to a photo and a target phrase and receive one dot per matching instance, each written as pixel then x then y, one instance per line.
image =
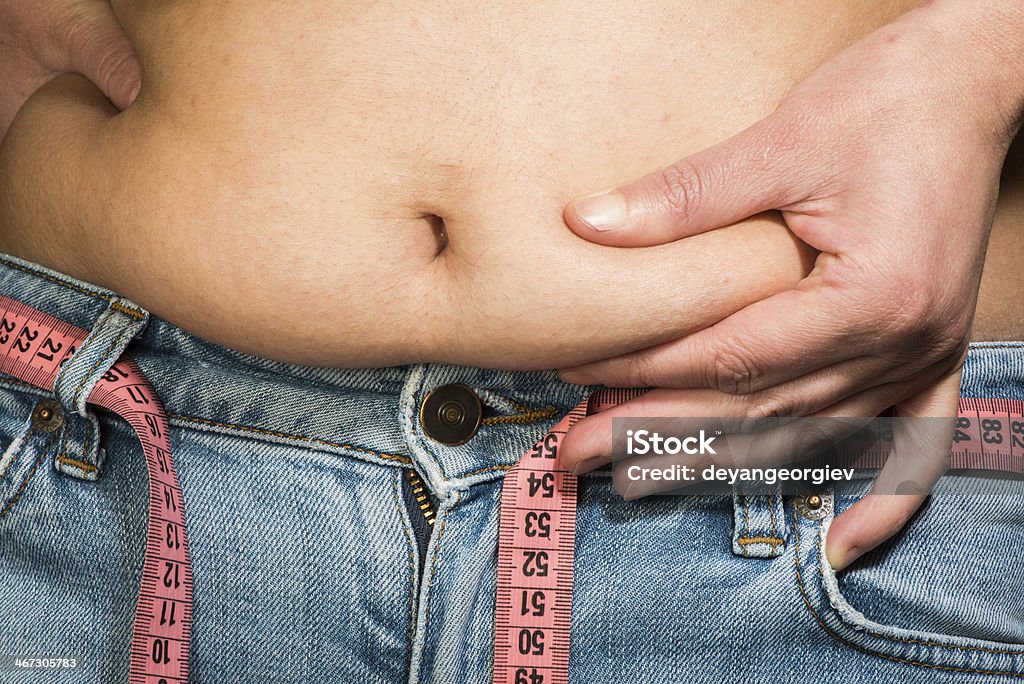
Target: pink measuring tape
pixel 538 531
pixel 33 347
pixel 536 540
pixel 538 510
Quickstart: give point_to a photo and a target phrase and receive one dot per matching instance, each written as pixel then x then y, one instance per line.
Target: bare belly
pixel 282 183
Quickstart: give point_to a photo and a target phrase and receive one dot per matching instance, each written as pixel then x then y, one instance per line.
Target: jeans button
pixel 814 506
pixel 47 416
pixel 451 414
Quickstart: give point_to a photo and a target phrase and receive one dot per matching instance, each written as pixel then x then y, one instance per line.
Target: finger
pixel 815 392
pixel 787 443
pixel 765 344
pixel 588 444
pixel 95 45
pixel 754 171
pixel 920 457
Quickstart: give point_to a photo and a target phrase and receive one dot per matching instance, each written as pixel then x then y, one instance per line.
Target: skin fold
pixel 284 199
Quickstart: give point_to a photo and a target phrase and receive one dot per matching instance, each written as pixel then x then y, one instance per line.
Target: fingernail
pixel 841 560
pixel 575 377
pixel 587 466
pixel 603 211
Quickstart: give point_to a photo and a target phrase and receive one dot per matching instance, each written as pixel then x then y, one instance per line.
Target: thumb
pixel 739 177
pixel 96 46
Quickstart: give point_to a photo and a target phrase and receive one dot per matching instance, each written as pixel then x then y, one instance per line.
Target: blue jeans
pixel 314 563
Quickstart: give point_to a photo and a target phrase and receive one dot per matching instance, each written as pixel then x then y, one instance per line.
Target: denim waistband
pixel 371 414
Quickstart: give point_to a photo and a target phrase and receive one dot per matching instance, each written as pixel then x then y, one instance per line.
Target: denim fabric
pixel 305 548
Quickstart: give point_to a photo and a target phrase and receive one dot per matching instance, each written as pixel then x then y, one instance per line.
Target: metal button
pixel 814 506
pixel 451 414
pixel 47 416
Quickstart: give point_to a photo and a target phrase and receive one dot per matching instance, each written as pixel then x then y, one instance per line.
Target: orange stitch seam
pixel 774 541
pixel 856 647
pixel 127 310
pixel 531 416
pixel 35 467
pixel 56 280
pixel 20 383
pixel 525 416
pixel 488 468
pixel 921 641
pixel 63 458
pixel 302 438
pixel 87 467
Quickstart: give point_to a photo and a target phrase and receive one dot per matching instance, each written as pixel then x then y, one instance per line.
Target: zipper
pixel 421 494
pixel 421 506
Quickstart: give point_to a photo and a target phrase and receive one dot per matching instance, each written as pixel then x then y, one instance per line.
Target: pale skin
pixel 97 48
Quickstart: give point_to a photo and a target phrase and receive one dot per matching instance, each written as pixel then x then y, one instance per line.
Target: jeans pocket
pixel 25 447
pixel 946 593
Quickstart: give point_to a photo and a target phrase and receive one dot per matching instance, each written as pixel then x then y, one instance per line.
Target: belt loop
pixel 759 525
pixel 78 453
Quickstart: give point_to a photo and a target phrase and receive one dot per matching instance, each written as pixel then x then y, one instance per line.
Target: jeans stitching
pixel 127 311
pixel 488 469
pixel 774 541
pixel 301 438
pixel 59 281
pixel 746 518
pixel 32 472
pixel 63 458
pixel 864 649
pixel 821 573
pixel 106 355
pixel 525 416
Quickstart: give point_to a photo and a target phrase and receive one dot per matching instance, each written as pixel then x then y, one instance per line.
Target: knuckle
pixel 640 371
pixel 732 371
pixel 680 189
pixel 769 408
pixel 922 326
pixel 911 314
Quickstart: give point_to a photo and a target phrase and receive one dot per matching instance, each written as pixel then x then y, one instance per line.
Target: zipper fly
pixel 419 492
